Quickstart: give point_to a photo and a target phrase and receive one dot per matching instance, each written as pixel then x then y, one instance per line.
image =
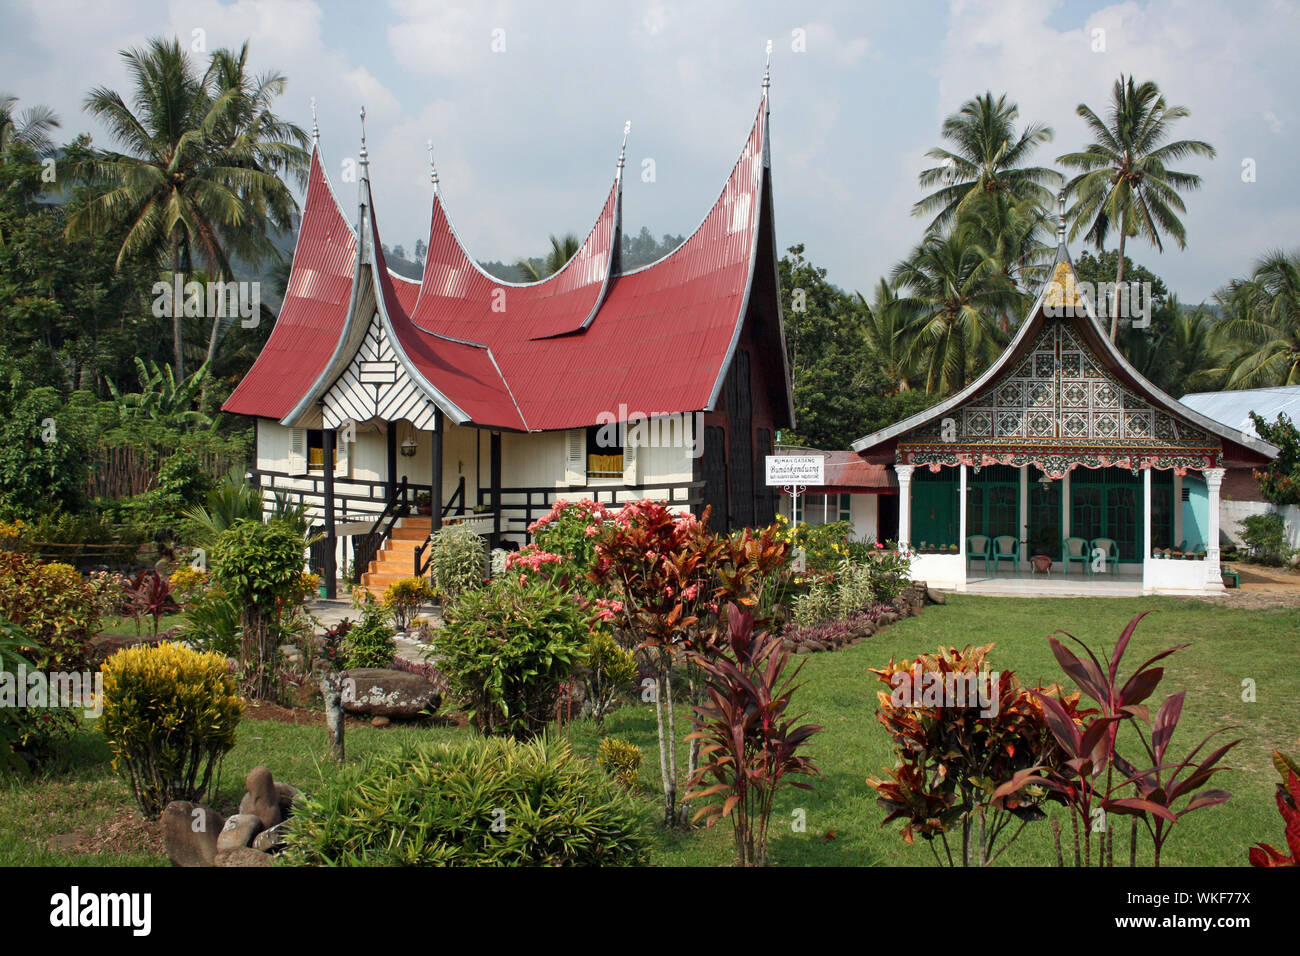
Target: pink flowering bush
pixel 564 546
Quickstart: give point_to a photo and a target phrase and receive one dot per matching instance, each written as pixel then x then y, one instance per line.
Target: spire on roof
pixel 767 69
pixel 433 170
pixel 622 151
pixel 315 130
pixel 365 157
pixel 1060 220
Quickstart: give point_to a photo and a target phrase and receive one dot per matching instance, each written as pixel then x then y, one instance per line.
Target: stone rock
pixel 243 856
pixel 387 692
pixel 291 653
pixel 266 802
pixel 190 833
pixel 379 722
pixel 104 646
pixel 288 795
pixel 935 597
pixel 269 841
pixel 238 832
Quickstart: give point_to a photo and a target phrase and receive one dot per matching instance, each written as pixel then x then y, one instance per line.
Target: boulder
pixel 379 721
pixel 238 832
pixel 269 841
pixel 265 802
pixel 190 832
pixel 935 597
pixel 288 795
pixel 243 856
pixel 387 692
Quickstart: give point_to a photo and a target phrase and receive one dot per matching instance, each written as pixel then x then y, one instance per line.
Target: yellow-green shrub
pixel 170 715
pixel 621 759
pixel 403 598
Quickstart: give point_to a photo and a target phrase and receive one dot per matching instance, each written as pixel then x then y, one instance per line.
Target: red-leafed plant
pixel 150 594
pixel 749 740
pixel 661 564
pixel 954 752
pixel 1166 783
pixel 1288 804
pixel 1085 780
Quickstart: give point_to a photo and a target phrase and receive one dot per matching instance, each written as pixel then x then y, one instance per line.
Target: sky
pixel 525 104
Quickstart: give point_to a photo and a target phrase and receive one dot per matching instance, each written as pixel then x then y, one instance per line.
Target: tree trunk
pixel 669 790
pixel 1119 277
pixel 178 310
pixel 332 692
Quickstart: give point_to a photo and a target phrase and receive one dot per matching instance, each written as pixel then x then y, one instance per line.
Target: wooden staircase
pixel 396 560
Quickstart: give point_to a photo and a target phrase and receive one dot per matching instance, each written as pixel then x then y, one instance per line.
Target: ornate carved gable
pixel 1056 408
pixel 376 385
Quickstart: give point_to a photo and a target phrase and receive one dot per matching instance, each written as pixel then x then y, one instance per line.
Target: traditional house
pixel 1061 450
pixel 490 400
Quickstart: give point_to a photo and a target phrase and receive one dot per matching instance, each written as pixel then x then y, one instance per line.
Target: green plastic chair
pixel 1005 548
pixel 978 547
pixel 1075 549
pixel 1109 551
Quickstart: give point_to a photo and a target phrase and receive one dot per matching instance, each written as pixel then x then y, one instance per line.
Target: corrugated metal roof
pixel 314 309
pixel 1233 408
pixel 547 355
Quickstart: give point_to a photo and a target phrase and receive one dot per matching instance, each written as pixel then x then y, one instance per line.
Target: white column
pixel 1023 536
pixel 1178 508
pixel 1213 573
pixel 961 527
pixel 904 473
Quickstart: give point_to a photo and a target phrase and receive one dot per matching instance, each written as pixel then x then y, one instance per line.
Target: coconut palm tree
pixel 192 181
pixel 955 294
pixel 1262 315
pixel 248 126
pixel 987 156
pixel 886 328
pixel 1014 233
pixel 32 127
pixel 562 250
pixel 1124 180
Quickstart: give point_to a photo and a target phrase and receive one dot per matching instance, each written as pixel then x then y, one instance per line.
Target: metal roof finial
pixel 622 150
pixel 365 157
pixel 767 69
pixel 433 170
pixel 1060 221
pixel 315 130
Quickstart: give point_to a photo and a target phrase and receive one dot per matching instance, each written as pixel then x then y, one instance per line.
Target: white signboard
pixel 796 470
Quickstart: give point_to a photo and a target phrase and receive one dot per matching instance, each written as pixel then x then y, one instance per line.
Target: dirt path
pixel 1261 587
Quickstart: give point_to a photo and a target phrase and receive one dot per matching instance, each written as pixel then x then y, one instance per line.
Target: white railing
pixel 478 523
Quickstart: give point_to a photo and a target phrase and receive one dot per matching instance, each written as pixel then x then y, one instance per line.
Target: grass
pixel 1228 646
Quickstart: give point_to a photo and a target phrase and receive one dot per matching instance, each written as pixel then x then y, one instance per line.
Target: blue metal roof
pixel 1233 408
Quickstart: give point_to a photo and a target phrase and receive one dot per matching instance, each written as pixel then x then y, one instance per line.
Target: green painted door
pixel 1108 503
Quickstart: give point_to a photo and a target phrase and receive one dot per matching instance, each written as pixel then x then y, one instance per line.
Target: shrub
pixel 961 731
pixel 1265 535
pixel 458 562
pixel 823 545
pixel 621 759
pixel 606 668
pixel 212 623
pixel 27 734
pixel 505 650
pixel 1288 804
pixel 55 607
pixel 816 605
pixel 749 737
pixel 260 567
pixel 187 582
pixel 402 599
pixel 370 643
pixel 170 715
pixel 834 633
pixel 487 802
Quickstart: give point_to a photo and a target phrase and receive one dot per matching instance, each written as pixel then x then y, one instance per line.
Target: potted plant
pixel 423 503
pixel 952 549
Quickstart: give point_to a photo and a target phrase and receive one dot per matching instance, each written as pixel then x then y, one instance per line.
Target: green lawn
pixel 1227 646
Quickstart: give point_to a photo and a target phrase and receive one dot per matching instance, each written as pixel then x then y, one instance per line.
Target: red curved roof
pixel 547 355
pixel 313 312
